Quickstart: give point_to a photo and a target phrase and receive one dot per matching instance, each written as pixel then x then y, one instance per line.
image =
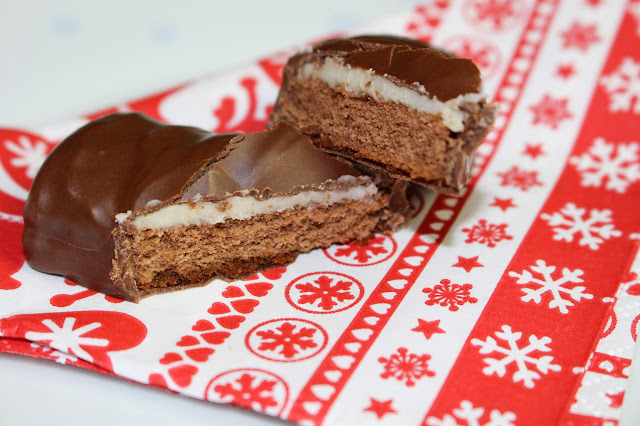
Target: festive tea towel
pixel 503 306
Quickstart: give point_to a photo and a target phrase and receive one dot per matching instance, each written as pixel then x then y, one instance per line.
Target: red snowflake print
pixel 286 340
pixel 565 71
pixel 550 111
pixel 377 250
pixel 468 263
pixel 521 179
pixel 483 53
pixel 533 151
pixel 454 295
pixel 406 367
pixel 579 36
pixel 494 14
pixel 324 292
pixel 380 408
pixel 227 110
pixel 503 204
pixel 486 233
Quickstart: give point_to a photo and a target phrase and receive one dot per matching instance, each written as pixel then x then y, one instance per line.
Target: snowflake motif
pixel 406 367
pixel 618 164
pixel 521 357
pixel 579 36
pixel 550 111
pixel 473 416
pixel 521 179
pixel 249 392
pixel 547 284
pixel 228 107
pixel 454 295
pixel 66 339
pixel 28 155
pixel 486 233
pixel 325 292
pixel 623 86
pixel 59 357
pixel 495 14
pixel 287 339
pixel 365 252
pixel 570 221
pixel 425 19
pixel 484 54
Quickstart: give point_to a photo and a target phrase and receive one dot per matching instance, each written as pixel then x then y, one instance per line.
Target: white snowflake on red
pixel 494 14
pixel 248 391
pixel 473 416
pixel 522 357
pixel 487 233
pixel 286 337
pixel 579 36
pixel 522 179
pixel 550 111
pixel 593 230
pixel 623 86
pixel 406 367
pixel 326 292
pixel 556 287
pixel 617 164
pixel 29 155
pixel 454 295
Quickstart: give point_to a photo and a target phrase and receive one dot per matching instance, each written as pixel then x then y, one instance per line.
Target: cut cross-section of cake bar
pixel 131 207
pixel 390 102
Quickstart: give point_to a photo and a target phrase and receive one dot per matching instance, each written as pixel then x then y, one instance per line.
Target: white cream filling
pixel 364 82
pixel 242 207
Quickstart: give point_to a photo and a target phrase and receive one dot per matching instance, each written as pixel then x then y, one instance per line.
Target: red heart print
pixel 244 306
pixel 203 325
pixel 182 374
pixel 218 308
pixel 156 379
pixel 199 354
pixel 170 357
pixel 259 289
pixel 188 341
pixel 274 274
pixel 216 337
pixel 232 291
pixel 230 321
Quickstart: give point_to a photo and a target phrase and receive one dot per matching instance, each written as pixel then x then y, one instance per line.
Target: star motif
pixel 565 71
pixel 550 111
pixel 380 408
pixel 468 263
pixel 428 328
pixel 533 151
pixel 503 204
pixel 579 36
pixel 616 399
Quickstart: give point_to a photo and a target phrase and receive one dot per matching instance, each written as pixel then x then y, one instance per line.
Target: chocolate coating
pixel 123 161
pixel 409 61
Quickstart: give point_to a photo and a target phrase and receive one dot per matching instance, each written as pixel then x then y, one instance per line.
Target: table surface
pixel 64 58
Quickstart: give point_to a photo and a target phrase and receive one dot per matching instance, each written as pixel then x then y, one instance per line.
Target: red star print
pixel 579 36
pixel 565 71
pixel 428 328
pixel 550 111
pixel 503 204
pixel 380 408
pixel 533 151
pixel 468 263
pixel 616 399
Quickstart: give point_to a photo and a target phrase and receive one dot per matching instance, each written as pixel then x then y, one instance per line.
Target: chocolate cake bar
pixel 389 102
pixel 131 207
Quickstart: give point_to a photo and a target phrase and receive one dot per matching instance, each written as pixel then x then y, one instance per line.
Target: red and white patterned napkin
pixel 503 306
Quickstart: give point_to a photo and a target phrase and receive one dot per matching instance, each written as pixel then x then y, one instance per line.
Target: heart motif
pixel 244 306
pixel 156 379
pixel 182 374
pixel 188 341
pixel 216 337
pixel 199 354
pixel 232 291
pixel 230 321
pixel 218 308
pixel 203 325
pixel 259 289
pixel 274 274
pixel 170 357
